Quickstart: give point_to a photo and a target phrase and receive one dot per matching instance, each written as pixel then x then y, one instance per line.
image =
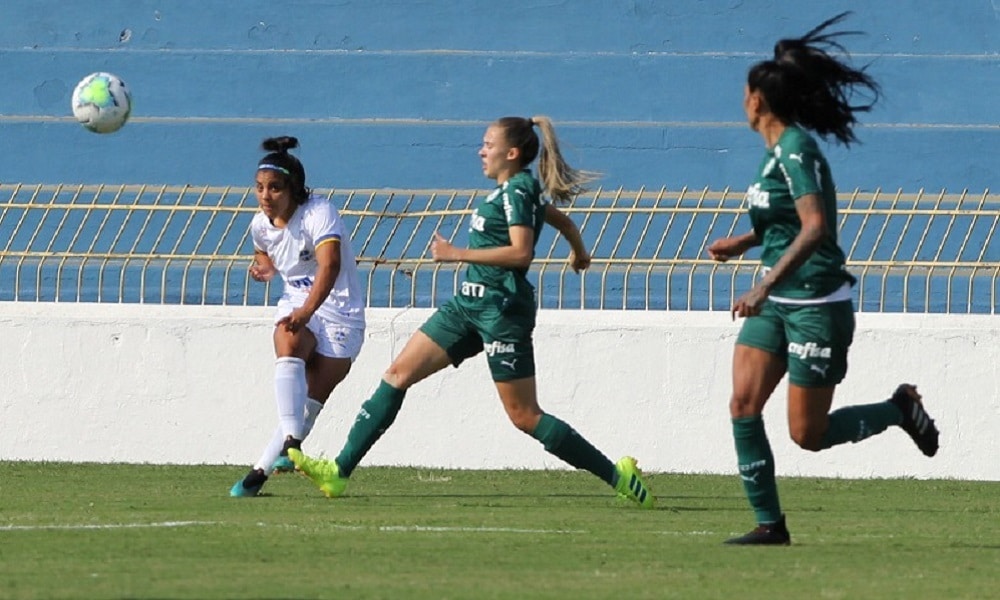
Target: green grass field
pixel 143 531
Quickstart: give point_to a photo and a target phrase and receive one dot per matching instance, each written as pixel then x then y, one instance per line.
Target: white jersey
pixel 292 249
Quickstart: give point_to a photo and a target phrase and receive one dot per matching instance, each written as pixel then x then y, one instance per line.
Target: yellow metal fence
pixel 911 252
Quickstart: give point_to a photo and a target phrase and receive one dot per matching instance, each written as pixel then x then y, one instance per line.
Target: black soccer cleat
pixel 916 421
pixel 765 534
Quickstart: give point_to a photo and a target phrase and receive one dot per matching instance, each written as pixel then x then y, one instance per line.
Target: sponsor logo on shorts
pixel 809 350
pixel 494 348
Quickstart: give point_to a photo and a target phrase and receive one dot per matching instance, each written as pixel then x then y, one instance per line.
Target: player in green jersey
pixel 494 311
pixel 799 317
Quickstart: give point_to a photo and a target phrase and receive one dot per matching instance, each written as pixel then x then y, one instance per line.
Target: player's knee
pixel 298 344
pixel 525 420
pixel 807 438
pixel 743 405
pixel 399 376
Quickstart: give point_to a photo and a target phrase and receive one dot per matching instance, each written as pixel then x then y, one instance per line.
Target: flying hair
pixel 560 181
pixel 806 84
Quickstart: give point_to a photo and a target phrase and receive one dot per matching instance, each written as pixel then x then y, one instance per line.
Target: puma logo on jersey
pixel 509 363
pixel 797 157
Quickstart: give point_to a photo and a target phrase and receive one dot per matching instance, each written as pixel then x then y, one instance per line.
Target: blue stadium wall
pixel 396 93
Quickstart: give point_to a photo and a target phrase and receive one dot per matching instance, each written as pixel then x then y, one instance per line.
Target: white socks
pixel 274 447
pixel 290 395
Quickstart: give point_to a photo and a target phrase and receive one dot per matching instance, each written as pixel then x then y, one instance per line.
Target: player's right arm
pixel 726 248
pixel 262 269
pixel 579 257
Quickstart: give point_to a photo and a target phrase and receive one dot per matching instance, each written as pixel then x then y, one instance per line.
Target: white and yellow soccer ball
pixel 102 102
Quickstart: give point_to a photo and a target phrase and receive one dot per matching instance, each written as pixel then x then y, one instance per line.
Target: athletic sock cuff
pixel 550 431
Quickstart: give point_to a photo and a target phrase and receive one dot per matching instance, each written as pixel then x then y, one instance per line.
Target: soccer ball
pixel 102 102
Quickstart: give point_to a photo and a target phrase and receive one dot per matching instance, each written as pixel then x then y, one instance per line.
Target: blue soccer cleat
pixel 249 486
pixel 282 464
pixel 238 491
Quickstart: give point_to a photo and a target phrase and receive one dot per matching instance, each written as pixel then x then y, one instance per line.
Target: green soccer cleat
pixel 324 473
pixel 630 484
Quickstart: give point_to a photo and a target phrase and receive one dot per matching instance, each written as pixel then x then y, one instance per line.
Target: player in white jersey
pixel 320 320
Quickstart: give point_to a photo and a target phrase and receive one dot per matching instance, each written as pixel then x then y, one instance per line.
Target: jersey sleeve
pixel 257 234
pixel 322 223
pixel 801 169
pixel 518 206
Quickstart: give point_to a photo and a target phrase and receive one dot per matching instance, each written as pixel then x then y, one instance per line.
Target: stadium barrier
pixel 132 333
pixel 912 252
pixel 194 384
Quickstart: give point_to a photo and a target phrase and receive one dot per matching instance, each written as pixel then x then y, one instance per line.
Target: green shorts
pixel 812 339
pixel 487 320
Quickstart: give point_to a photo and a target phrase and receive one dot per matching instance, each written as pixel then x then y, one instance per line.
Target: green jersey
pixel 791 169
pixel 517 201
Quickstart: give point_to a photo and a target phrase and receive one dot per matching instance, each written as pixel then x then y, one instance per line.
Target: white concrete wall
pixel 191 385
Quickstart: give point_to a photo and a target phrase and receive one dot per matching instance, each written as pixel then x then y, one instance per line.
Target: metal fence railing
pixel 911 252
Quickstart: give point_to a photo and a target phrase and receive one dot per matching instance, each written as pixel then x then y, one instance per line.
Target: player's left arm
pixel 801 171
pixel 809 208
pixel 327 254
pixel 579 257
pixel 327 270
pixel 810 211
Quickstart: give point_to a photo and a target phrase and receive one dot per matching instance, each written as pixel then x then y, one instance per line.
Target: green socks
pixel 375 416
pixel 756 463
pixel 563 442
pixel 855 423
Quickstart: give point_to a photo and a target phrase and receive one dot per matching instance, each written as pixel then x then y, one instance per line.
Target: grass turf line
pixel 146 531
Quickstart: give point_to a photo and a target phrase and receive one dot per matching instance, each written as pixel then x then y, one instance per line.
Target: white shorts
pixel 334 340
